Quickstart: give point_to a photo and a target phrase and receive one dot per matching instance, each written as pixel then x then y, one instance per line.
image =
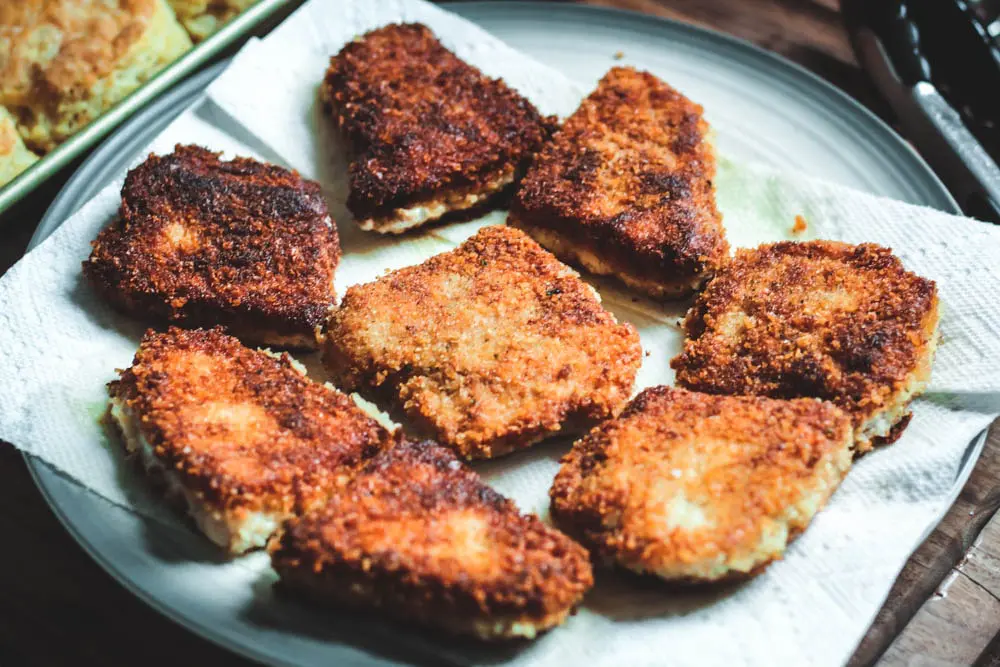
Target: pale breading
pixel 825 319
pixel 202 241
pixel 420 537
pixel 625 188
pixel 487 348
pixel 240 436
pixel 697 487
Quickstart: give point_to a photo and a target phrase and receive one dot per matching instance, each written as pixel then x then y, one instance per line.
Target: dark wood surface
pixel 57 607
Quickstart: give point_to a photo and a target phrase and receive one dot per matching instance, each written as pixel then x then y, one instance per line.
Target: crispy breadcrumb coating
pixel 696 487
pixel 625 188
pixel 487 348
pixel 830 320
pixel 428 132
pixel 418 535
pixel 203 242
pixel 243 436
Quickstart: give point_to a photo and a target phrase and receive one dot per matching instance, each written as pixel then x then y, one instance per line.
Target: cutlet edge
pixel 579 254
pixel 363 594
pixel 237 530
pixel 589 526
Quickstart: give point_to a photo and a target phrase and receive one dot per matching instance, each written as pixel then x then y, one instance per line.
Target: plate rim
pixel 64 204
pixel 641 19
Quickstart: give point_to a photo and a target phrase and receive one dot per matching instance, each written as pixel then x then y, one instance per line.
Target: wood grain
pixel 934 561
pixel 57 607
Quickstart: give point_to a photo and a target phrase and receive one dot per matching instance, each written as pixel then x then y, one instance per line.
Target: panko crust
pixel 421 123
pixel 64 62
pixel 840 322
pixel 244 429
pixel 487 348
pixel 420 536
pixel 697 487
pixel 627 180
pixel 204 242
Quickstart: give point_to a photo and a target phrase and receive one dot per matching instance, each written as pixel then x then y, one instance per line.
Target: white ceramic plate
pixel 763 108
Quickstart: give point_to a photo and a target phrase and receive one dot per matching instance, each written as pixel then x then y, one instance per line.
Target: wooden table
pixel 57 607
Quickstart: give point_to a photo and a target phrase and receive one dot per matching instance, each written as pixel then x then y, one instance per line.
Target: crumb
pixel 619 55
pixel 800 225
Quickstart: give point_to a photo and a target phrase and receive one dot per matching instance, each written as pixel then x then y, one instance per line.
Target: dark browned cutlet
pixel 428 133
pixel 201 242
pixel 696 487
pixel 625 188
pixel 844 323
pixel 240 436
pixel 487 348
pixel 420 537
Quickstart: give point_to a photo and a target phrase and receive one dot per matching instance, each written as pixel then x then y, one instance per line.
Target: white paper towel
pixel 59 345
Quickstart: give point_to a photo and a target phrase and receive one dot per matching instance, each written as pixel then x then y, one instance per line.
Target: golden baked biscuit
pixel 201 18
pixel 14 156
pixel 64 62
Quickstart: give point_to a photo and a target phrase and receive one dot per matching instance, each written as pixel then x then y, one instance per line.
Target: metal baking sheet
pixel 257 19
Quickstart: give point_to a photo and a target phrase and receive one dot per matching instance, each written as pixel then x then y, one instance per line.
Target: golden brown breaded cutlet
pixel 835 321
pixel 487 348
pixel 418 535
pixel 428 133
pixel 241 436
pixel 625 188
pixel 696 487
pixel 202 242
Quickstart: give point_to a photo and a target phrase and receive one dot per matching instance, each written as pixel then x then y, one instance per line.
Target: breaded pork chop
pixel 202 242
pixel 696 487
pixel 487 348
pixel 429 134
pixel 240 436
pixel 625 188
pixel 830 320
pixel 418 535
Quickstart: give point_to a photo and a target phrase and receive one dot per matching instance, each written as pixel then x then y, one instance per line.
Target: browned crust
pixel 203 242
pixel 628 177
pixel 743 460
pixel 243 429
pixel 487 348
pixel 825 319
pixel 419 121
pixel 419 535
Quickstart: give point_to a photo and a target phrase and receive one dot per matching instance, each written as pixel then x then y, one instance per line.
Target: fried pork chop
pixel 625 188
pixel 487 348
pixel 241 437
pixel 202 242
pixel 830 320
pixel 429 134
pixel 696 487
pixel 418 535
